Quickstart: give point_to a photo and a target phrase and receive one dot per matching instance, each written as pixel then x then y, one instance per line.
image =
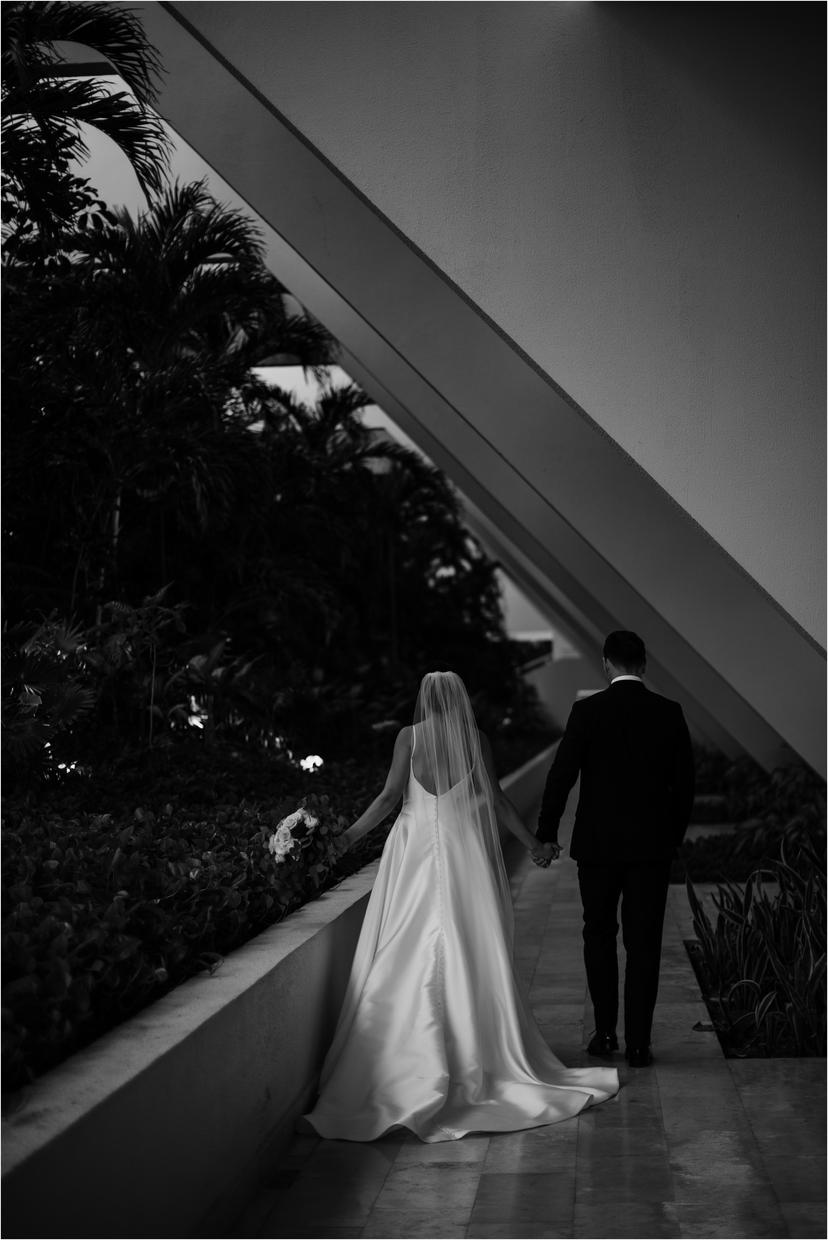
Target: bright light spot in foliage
pixel 311 763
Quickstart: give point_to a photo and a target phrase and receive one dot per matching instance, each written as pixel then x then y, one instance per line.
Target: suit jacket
pixel 632 751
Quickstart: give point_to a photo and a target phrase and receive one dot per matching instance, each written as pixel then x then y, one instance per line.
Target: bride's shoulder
pixel 403 750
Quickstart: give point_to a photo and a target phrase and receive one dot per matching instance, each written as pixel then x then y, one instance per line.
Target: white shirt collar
pixel 615 679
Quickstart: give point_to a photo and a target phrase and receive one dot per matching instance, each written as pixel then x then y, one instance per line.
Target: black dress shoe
pixel 639 1056
pixel 602 1045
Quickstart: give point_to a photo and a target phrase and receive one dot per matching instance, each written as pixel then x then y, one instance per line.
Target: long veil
pixel 447 761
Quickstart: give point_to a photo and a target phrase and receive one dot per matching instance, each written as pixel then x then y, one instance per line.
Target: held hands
pixel 544 854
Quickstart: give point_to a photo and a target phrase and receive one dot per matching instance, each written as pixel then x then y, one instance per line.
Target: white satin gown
pixel 433 1034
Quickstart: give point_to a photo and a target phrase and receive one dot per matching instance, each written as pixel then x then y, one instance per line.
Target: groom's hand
pixel 544 854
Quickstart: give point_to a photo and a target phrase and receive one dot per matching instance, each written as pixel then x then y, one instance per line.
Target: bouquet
pixel 292 834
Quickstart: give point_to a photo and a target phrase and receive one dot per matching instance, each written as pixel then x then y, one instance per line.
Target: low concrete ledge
pixel 524 786
pixel 163 1127
pixel 153 1127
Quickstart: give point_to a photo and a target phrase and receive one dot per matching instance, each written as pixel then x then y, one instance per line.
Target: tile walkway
pixel 696 1145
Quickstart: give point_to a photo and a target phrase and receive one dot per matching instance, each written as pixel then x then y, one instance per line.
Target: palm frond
pixel 59 107
pixel 31 30
pixel 192 229
pixel 238 294
pixel 73 703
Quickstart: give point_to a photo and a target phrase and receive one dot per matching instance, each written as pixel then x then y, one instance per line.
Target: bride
pixel 434 1035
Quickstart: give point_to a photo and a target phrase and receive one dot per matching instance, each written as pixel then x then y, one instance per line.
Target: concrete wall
pixel 632 193
pixel 166 1126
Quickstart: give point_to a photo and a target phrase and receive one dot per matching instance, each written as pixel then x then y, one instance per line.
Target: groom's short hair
pixel 625 649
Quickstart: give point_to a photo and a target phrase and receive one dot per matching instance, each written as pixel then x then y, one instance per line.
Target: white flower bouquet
pixel 291 834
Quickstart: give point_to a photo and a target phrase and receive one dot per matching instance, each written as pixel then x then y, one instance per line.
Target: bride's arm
pixel 505 810
pixel 381 806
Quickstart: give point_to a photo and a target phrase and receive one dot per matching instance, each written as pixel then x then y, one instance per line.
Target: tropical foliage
pixel 205 579
pixel 770 810
pixel 108 909
pixel 762 961
pixel 185 547
pixel 46 113
pixel 303 562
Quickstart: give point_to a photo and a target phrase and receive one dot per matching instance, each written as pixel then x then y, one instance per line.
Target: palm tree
pixel 44 109
pixel 179 308
pixel 145 405
pixel 378 532
pixel 186 281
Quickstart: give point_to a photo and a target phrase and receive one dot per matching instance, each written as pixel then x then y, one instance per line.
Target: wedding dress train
pixel 433 1034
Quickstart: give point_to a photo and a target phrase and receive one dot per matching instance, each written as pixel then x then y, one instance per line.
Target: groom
pixel 632 751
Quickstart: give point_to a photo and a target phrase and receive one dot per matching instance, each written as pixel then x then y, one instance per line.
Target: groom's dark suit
pixel 632 751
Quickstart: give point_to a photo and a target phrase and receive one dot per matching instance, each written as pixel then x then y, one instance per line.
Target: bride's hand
pixel 342 843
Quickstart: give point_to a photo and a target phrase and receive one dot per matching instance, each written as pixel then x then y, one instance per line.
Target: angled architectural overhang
pixel 597 541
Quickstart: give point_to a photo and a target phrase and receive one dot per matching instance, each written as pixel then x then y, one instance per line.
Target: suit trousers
pixel 642 889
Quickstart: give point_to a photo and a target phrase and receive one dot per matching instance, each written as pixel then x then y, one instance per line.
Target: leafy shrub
pixel 762 966
pixel 45 693
pixel 785 808
pixel 751 792
pixel 106 914
pixel 721 858
pixel 107 907
pixel 118 888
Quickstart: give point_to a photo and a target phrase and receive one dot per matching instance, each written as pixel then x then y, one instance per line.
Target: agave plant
pixel 764 959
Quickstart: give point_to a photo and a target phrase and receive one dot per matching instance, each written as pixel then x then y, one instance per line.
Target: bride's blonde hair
pixel 447 761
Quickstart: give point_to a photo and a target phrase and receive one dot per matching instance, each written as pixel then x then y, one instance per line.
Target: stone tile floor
pixel 696 1145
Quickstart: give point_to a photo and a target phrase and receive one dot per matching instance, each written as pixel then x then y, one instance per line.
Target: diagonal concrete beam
pixel 594 526
pixel 585 634
pixel 582 600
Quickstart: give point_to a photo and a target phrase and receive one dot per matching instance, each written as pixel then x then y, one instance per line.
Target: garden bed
pixel 721 1023
pixel 117 890
pixel 760 959
pixel 731 856
pixel 110 903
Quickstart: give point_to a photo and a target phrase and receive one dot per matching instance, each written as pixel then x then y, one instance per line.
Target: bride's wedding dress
pixel 434 1034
